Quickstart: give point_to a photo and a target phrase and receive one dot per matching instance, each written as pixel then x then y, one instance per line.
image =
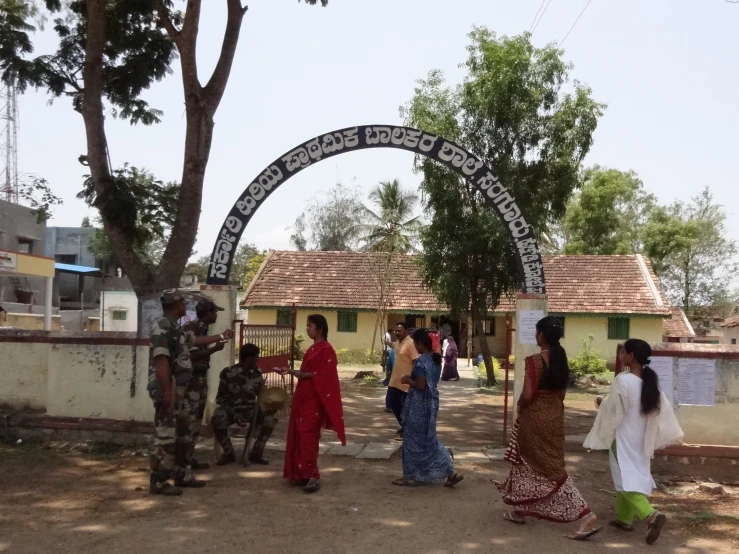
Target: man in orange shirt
pixel 405 355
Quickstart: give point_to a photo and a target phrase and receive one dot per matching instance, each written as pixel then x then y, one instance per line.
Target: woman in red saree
pixel 538 485
pixel 316 404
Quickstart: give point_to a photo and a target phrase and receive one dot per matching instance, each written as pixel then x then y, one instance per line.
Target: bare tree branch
pixel 217 84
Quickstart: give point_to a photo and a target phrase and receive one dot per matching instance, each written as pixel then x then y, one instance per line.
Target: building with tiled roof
pixel 677 328
pixel 608 297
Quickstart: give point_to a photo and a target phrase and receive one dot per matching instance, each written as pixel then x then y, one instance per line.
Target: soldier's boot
pixel 198 466
pixel 258 459
pixel 159 486
pixel 191 483
pixel 227 458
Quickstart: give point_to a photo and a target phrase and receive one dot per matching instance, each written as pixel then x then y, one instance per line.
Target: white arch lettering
pixel 362 137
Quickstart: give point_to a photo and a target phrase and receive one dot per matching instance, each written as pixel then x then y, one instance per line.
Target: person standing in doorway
pixel 170 370
pixel 197 388
pixel 405 355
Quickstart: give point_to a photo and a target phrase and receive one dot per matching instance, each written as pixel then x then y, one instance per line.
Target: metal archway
pixel 381 136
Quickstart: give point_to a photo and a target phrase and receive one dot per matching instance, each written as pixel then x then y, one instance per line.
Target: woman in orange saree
pixel 316 404
pixel 538 484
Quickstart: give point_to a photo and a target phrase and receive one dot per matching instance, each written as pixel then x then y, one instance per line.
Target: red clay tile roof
pixel 731 322
pixel 575 284
pixel 338 280
pixel 677 326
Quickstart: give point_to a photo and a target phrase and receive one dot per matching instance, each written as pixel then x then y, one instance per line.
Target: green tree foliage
pixel 246 263
pixel 391 225
pixel 108 53
pixel 145 207
pixel 687 245
pixel 608 214
pixel 387 229
pixel 36 193
pixel 330 222
pixel 512 112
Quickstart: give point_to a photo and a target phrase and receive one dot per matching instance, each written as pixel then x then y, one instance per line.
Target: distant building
pixel 76 287
pixel 21 232
pixel 610 298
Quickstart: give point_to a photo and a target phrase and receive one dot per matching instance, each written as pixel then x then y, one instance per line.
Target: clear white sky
pixel 669 70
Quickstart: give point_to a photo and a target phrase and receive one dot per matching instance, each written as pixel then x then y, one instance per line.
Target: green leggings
pixel 631 504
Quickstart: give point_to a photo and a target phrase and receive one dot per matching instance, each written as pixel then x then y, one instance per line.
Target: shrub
pixel 588 361
pixel 298 347
pixel 356 356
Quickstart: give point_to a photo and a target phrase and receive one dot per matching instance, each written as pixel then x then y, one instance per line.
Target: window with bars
pixel 120 315
pixel 347 322
pixel 489 326
pixel 561 319
pixel 284 316
pixel 618 328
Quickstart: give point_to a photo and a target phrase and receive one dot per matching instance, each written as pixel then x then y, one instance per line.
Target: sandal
pixel 511 516
pixel 655 528
pixel 581 536
pixel 620 525
pixel 453 479
pixel 313 485
pixel 403 482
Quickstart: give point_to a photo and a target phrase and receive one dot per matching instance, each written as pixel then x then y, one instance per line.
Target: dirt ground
pixel 52 500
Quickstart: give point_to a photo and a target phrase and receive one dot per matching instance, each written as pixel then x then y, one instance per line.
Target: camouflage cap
pixel 172 296
pixel 207 305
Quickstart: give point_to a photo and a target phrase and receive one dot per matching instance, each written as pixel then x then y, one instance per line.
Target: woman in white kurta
pixel 633 421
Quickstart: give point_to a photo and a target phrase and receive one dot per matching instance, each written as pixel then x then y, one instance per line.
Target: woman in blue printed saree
pixel 425 460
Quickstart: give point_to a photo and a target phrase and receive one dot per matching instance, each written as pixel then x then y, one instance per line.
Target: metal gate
pixel 276 350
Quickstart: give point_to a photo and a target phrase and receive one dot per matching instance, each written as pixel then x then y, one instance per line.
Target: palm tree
pixel 388 230
pixel 391 226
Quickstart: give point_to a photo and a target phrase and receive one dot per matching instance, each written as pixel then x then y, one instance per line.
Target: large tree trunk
pixel 478 317
pixel 201 104
pixel 97 147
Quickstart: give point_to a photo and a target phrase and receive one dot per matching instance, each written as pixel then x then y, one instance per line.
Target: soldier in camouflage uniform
pixel 197 388
pixel 238 392
pixel 170 369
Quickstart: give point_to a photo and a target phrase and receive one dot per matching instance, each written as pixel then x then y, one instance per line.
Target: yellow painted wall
pixel 94 381
pixel 361 340
pixel 23 374
pixel 32 322
pixel 578 328
pixel 729 334
pixel 35 265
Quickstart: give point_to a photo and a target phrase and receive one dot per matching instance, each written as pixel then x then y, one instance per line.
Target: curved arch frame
pixel 363 137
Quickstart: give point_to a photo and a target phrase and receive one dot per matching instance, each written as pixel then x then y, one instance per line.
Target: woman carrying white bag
pixel 633 421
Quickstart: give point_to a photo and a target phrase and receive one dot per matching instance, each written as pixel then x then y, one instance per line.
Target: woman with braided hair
pixel 538 484
pixel 634 420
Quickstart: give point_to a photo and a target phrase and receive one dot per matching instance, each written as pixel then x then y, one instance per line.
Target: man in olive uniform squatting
pixel 237 400
pixel 170 370
pixel 197 388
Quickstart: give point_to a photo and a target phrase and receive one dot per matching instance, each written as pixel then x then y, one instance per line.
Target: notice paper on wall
pixel 696 382
pixel 664 366
pixel 526 325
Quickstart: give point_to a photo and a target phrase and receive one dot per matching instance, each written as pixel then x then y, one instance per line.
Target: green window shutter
pixel 347 322
pixel 120 315
pixel 618 328
pixel 284 316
